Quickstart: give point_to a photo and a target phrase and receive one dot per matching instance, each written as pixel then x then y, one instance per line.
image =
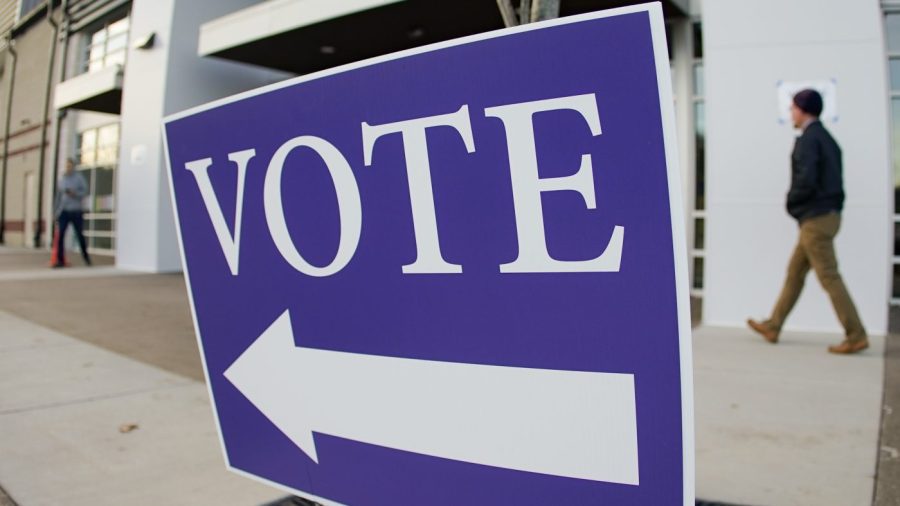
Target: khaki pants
pixel 816 249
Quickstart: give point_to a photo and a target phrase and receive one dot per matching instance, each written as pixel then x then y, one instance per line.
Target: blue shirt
pixel 71 200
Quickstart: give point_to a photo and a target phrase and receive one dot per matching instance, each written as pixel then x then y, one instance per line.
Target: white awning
pixel 272 18
pixel 99 91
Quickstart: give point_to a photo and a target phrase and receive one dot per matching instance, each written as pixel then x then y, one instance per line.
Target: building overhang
pixel 99 91
pixel 302 36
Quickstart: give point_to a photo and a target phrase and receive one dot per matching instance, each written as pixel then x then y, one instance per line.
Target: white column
pixel 159 81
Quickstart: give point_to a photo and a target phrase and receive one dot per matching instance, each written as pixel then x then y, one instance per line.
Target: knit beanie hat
pixel 809 101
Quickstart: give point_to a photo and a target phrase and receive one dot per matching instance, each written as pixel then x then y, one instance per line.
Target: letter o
pixel 349 207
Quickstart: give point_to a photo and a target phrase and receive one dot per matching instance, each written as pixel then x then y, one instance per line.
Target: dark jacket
pixel 817 185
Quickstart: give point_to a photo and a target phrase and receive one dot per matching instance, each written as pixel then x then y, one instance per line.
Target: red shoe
pixel 770 335
pixel 849 347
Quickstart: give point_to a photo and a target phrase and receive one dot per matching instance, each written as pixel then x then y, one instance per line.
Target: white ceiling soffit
pixel 273 17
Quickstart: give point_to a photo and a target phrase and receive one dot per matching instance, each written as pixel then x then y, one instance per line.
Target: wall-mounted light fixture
pixel 145 42
pixel 415 33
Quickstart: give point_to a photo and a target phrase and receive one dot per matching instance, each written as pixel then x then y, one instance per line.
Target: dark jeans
pixel 76 218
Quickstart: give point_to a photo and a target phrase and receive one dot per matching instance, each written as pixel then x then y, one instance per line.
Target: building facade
pixel 121 66
pixel 26 120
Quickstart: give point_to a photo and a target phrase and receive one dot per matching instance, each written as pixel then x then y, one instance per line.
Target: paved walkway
pixel 785 425
pixel 80 425
pixel 102 402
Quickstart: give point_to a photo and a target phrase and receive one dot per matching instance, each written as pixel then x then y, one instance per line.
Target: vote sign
pixel 452 275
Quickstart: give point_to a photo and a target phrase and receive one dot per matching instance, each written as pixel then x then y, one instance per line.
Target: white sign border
pixel 666 101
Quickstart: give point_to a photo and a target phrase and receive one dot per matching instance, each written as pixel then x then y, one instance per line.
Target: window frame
pixel 697 254
pixel 889 9
pixel 120 54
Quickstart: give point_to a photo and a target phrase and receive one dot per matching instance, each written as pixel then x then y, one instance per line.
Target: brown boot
pixel 769 334
pixel 849 347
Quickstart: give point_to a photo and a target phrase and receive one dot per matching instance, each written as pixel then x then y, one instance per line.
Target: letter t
pixel 418 174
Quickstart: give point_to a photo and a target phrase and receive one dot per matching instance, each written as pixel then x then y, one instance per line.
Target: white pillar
pixel 161 80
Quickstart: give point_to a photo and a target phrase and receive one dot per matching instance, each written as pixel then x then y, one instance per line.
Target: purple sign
pixel 452 275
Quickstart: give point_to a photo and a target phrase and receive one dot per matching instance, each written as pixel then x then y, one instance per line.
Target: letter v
pixel 200 169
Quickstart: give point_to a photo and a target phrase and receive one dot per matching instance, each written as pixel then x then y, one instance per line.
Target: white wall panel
pixel 749 47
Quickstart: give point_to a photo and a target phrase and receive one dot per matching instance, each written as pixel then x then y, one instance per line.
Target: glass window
pixel 108 145
pixel 895 144
pixel 104 243
pixel 102 225
pixel 117 58
pixel 103 190
pixel 700 154
pixel 96 52
pixel 896 239
pixel 119 27
pixel 896 291
pixel 697 282
pixel 698 80
pixel 88 175
pixel 893 32
pixel 99 147
pixel 107 46
pixel 98 38
pixel 26 6
pixel 108 134
pixel 95 65
pixel 698 41
pixel 895 74
pixel 87 147
pixel 698 233
pixel 116 43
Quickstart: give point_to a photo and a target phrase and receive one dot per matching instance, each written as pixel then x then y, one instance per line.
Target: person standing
pixel 815 200
pixel 70 194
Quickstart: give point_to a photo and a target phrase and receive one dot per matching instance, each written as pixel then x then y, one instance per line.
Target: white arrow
pixel 563 423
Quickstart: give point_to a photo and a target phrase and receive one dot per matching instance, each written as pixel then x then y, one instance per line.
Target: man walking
pixel 72 189
pixel 815 200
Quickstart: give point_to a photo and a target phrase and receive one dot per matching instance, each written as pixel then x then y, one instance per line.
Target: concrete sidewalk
pixel 83 426
pixel 785 425
pixel 87 352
